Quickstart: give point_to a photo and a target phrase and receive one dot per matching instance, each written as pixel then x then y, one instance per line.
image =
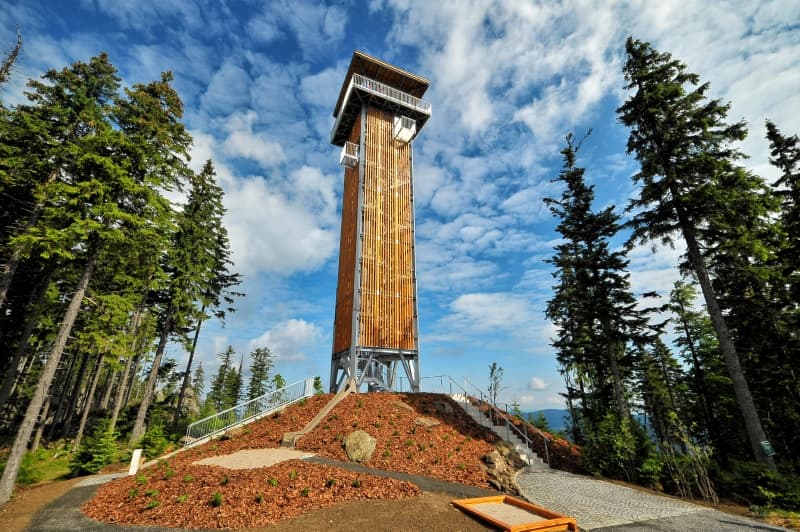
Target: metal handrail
pixel 525 435
pixel 509 426
pixel 390 93
pixel 249 410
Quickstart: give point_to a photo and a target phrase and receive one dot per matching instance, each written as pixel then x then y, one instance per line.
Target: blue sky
pixel 509 79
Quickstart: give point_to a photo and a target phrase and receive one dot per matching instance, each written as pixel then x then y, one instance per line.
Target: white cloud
pixel 316 27
pixel 541 401
pixel 272 231
pixel 289 340
pixel 538 384
pixel 243 142
pixel 480 312
pixel 228 90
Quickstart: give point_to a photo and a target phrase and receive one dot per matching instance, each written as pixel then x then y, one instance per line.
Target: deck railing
pixel 249 410
pixel 390 93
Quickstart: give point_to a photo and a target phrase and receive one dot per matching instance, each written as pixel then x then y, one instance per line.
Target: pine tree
pixel 198 381
pixel 102 187
pixel 711 413
pixel 234 385
pixel 261 363
pixel 10 59
pixel 683 145
pixel 592 304
pixel 216 396
pixel 213 253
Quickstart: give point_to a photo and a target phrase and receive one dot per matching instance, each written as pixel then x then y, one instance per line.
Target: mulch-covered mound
pixel 449 450
pixel 196 496
pixel 422 434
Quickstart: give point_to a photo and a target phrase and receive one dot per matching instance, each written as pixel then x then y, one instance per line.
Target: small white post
pixel 136 460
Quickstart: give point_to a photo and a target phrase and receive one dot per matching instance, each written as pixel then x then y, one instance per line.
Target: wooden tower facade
pixel 378 114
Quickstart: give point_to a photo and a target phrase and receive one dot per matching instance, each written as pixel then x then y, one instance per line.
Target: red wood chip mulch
pixel 421 434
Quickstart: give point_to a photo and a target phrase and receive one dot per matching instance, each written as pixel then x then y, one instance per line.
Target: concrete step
pixel 527 455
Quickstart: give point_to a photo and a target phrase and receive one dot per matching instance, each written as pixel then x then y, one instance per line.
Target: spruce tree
pixel 261 363
pixel 684 147
pixel 216 394
pixel 592 305
pixel 212 256
pixel 99 187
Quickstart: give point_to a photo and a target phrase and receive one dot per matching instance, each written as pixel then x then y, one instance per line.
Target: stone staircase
pixel 525 453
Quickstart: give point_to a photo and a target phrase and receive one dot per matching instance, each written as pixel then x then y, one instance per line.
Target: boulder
pixel 233 433
pixel 502 465
pixel 426 422
pixel 359 446
pixel 403 405
pixel 443 407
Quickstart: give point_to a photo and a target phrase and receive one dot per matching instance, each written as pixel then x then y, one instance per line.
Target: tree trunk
pixel 45 380
pixel 188 375
pixel 121 397
pixel 32 319
pixel 108 387
pixel 37 438
pixel 59 389
pixel 137 359
pixel 619 393
pixel 74 396
pixel 88 405
pixel 150 386
pixel 698 376
pixel 752 423
pixel 10 267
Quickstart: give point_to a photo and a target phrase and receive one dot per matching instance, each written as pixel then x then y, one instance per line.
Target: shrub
pixel 758 486
pixel 216 499
pixel 356 483
pixel 182 498
pixel 154 442
pixel 611 449
pixel 259 498
pixel 152 504
pixel 95 451
pixel 273 482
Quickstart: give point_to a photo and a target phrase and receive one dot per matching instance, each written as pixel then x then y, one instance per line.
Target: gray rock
pixel 443 408
pixel 426 422
pixel 359 446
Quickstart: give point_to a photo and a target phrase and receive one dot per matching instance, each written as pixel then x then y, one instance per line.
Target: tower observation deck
pixel 379 112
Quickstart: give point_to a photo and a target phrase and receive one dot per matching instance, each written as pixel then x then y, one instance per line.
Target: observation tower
pixel 378 114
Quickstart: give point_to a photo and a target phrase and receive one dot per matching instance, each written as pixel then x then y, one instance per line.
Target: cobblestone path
pixel 599 504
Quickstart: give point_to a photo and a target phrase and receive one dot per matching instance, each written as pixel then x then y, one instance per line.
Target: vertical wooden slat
pixel 387 291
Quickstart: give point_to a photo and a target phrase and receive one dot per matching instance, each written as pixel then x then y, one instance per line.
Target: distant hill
pixel 556 417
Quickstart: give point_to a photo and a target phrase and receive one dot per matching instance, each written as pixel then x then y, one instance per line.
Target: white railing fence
pixel 249 410
pixel 390 93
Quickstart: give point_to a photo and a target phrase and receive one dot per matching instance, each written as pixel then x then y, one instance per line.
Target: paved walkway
pixel 599 505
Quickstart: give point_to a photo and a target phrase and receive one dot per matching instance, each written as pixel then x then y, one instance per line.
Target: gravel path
pixel 597 504
pixel 252 458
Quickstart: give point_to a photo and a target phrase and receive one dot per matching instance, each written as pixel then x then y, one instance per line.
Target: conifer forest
pixel 695 392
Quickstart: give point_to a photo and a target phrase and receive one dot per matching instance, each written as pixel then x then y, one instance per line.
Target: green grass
pixel 42 465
